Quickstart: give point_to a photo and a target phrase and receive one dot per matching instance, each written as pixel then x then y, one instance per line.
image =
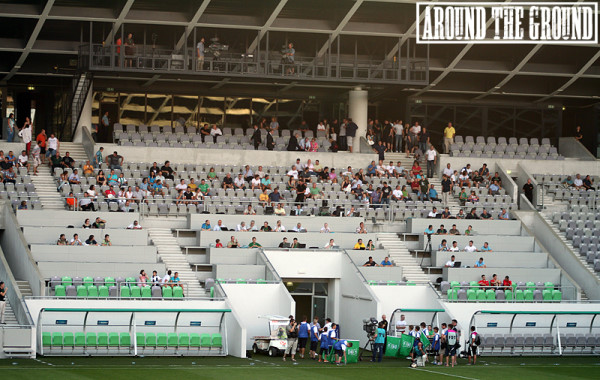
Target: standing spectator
pixel 129 50
pixel 41 140
pixel 578 134
pixel 399 134
pixel 292 339
pixel 256 137
pixel 270 141
pixel 290 54
pixel 200 53
pixel 380 149
pixel 293 144
pixel 10 128
pixel 424 140
pixel 351 129
pixel 449 133
pixel 528 190
pixel 431 160
pixel 446 189
pixel 98 159
pixel 2 302
pixel 25 134
pixel 105 125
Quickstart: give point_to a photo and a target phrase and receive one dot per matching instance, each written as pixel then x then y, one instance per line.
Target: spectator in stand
pixel 446 213
pixel 588 183
pixel 486 247
pixel 469 231
pixel 62 240
pixel 386 262
pixel 279 210
pixel 359 245
pixel 114 161
pixel 227 182
pixel 446 188
pixel 91 241
pixel 370 263
pixel 454 230
pixel 370 245
pixel 495 281
pixel 215 132
pixel 285 243
pixel 361 229
pixel 485 215
pixel 470 247
pixel 480 263
pixel 462 196
pixel 254 243
pixel 449 133
pixel 528 190
pixel 507 283
pixel 454 247
pixel 106 242
pixel 443 245
pixel 483 282
pixel 134 226
pixel 266 227
pixel 431 155
pixel 325 229
pixel 504 215
pixel 220 226
pixel 75 240
pixel 494 188
pixel 433 195
pixel 441 230
pixel 233 243
pixel 578 182
pixel 450 263
pixel 472 214
pixel 473 198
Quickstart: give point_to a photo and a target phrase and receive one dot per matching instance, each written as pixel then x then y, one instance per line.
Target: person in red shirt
pixel 416 168
pixel 507 283
pixel 218 243
pixel 483 282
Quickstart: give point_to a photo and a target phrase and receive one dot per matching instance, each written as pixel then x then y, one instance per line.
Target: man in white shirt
pixel 239 182
pixel 399 132
pixel 76 240
pixel 431 161
pixel 448 171
pixel 219 226
pixel 134 226
pixel 397 194
pixel 241 227
pixel 470 247
pixel 401 325
pixel 261 173
pixel 293 173
pixel 325 229
pixel 330 245
pixel 454 247
pixel 53 145
pixel 450 263
pixel 299 228
pixel 577 182
pixel 165 280
pixel 432 213
pixel 181 185
pixel 215 132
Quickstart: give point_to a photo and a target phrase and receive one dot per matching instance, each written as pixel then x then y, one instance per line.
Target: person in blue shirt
pixel 378 343
pixel 433 195
pixel 315 327
pixel 372 169
pixel 340 350
pixel 386 262
pixel 486 247
pixel 443 246
pixel 429 230
pixel 324 347
pixel 206 226
pixel 303 335
pixel 436 346
pixel 480 263
pixel 504 215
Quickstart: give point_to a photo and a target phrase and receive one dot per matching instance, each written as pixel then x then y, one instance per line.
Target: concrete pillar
pixel 85 121
pixel 358 106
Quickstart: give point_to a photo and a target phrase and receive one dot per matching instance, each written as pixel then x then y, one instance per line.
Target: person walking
pixel 25 134
pixel 449 133
pixel 256 137
pixel 431 161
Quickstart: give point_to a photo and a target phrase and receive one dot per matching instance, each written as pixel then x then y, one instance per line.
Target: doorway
pixel 106 134
pixel 311 299
pixel 303 306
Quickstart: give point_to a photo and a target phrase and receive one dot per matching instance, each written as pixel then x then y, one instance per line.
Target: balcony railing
pixel 144 59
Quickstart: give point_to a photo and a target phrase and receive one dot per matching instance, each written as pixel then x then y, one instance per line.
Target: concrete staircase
pixel 9 315
pixel 75 150
pixel 170 253
pixel 453 203
pixel 400 255
pixel 45 186
pixel 24 288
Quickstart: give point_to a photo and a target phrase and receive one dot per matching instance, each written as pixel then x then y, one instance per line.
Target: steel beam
pixel 189 27
pixel 335 33
pixel 119 21
pixel 266 26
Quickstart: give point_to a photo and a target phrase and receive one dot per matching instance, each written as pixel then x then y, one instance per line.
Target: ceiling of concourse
pixel 39 42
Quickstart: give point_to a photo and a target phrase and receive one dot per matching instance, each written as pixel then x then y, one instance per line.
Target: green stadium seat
pixel 194 340
pixel 135 292
pixel 109 281
pixel 557 295
pixel 91 340
pixel 373 283
pixel 125 291
pixel 102 339
pixel 172 340
pixel 205 340
pixel 449 294
pixel 66 281
pixel 68 339
pixel 92 291
pixel 57 339
pixel 167 292
pixel 549 285
pixel 140 339
pixel 150 340
pixel 454 294
pixel 481 295
pixel 240 281
pixel 212 292
pixel 131 281
pixel 508 294
pixel 79 339
pixel 46 339
pixel 519 297
pixel 177 292
pixel 113 339
pixel 530 285
pixel 261 281
pixel 471 295
pixel 82 291
pixel 547 295
pixel 161 340
pixel 392 283
pixel 87 281
pixel 103 291
pixel 490 295
pixel 474 285
pixel 528 293
pixel 124 339
pixel 217 340
pixel 455 284
pixel 184 340
pixel 411 283
pixel 146 292
pixel 60 291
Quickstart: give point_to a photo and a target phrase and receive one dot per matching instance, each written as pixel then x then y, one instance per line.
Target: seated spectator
pixel 478 179
pixel 249 211
pixel 99 223
pixel 285 243
pixel 266 227
pixel 578 182
pixel 568 182
pixel 275 196
pixel 204 188
pixel 295 243
pixel 443 245
pixel 206 226
pixel 166 281
pixel 88 169
pixel 10 176
pixel 91 241
pixel 62 240
pixel 494 189
pixel 495 281
pixel 448 171
pixel 483 282
pixel 397 194
pixel 588 183
pixel 242 227
pixel 254 243
pixel 315 192
pixel 218 243
pixel 386 262
pixel 470 247
pixel 507 283
pixel 253 226
pixel 462 196
pixel 264 198
pixel 463 180
pixel 496 178
pixel 450 263
pixel 370 245
pixel 446 213
pixel 358 192
pixel 454 230
pixel 454 247
pixel 461 214
pixel 255 183
pixel 486 247
pixel 134 226
pixel 351 212
pixel 361 229
pixel 433 195
pixel 176 281
pixel 469 231
pixel 68 161
pixel 441 230
pixel 106 242
pixel 480 263
pixel 233 243
pixel 473 198
pixel 75 240
pixel 279 227
pixel 299 228
pixel 485 215
pixel 239 182
pixel 155 279
pixel 114 161
pixel 227 182
pixel 55 161
pixel 429 230
pixel 279 210
pixel 325 229
pixel 504 215
pixel 220 226
pixel 360 245
pixel 142 279
pixel 370 263
pixel 86 224
pixel 433 213
pixel 472 214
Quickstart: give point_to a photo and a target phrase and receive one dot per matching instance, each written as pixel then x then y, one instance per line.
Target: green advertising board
pixel 392 346
pixel 406 345
pixel 352 352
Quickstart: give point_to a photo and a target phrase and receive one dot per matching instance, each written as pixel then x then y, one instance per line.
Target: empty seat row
pixel 491 295
pixel 64 340
pixel 501 140
pixel 125 291
pixel 445 285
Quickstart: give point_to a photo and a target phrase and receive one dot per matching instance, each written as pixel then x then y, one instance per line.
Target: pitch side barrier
pixel 538 332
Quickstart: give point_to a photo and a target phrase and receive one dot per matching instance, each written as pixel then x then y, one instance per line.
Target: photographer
pixel 292 341
pixel 379 341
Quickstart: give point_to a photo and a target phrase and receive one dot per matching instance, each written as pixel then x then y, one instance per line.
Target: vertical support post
pixel 91 48
pixel 337 70
pixel 172 106
pixel 399 60
pixel 358 106
pixel 145 107
pixel 185 51
pixel 267 56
